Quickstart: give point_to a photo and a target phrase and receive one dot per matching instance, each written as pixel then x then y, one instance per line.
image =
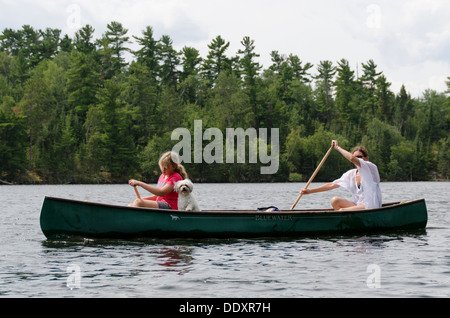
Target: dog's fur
pixel 186 200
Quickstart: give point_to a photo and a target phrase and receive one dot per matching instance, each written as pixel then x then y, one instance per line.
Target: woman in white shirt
pixel 363 182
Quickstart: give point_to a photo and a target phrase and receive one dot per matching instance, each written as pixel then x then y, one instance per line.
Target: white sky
pixel 409 40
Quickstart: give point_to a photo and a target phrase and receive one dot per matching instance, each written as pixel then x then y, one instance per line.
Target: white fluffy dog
pixel 186 200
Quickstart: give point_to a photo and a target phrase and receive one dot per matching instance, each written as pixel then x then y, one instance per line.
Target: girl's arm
pixel 350 157
pixel 152 189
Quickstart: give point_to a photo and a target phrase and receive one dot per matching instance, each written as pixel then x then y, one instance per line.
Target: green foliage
pixel 13 144
pixel 91 110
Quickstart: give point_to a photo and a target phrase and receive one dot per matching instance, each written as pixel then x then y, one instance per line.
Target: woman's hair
pixel 361 149
pixel 171 158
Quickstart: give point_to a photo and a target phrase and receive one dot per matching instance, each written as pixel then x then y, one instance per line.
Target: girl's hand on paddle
pixel 133 182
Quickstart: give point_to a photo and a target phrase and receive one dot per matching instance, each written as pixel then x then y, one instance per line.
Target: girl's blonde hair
pixel 171 158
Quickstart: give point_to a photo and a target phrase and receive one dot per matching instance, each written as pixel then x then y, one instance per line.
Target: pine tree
pixel 249 68
pixel 324 90
pixel 216 61
pixel 190 81
pixel 48 43
pixel 169 73
pixel 149 52
pixel 190 61
pixel 83 82
pixel 141 92
pixel 369 81
pixel 83 40
pixel 13 141
pixel 403 107
pixel 116 125
pixel 112 49
pixel 345 90
pixel 385 98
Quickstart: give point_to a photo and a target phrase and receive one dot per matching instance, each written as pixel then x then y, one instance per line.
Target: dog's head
pixel 184 187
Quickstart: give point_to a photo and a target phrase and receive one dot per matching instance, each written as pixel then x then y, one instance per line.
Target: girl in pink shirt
pixel 164 195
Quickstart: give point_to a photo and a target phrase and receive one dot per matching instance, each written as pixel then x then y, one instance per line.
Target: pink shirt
pixel 172 197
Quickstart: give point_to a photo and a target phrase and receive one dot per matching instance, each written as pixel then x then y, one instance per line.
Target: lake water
pixel 400 264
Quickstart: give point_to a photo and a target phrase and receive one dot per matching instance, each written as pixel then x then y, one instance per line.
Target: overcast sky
pixel 409 40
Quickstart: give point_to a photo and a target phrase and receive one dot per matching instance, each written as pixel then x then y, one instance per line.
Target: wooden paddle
pixel 313 176
pixel 137 192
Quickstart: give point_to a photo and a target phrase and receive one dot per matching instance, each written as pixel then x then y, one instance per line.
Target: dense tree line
pixel 76 110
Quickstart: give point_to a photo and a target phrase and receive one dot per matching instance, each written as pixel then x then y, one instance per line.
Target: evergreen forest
pixel 91 110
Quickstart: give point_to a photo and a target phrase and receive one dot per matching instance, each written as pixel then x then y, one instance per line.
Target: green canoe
pixel 63 218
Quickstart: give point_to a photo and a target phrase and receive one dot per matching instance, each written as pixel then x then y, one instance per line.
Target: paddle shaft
pixel 137 192
pixel 313 176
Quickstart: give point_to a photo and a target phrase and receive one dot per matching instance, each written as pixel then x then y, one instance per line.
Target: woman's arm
pixel 347 155
pixel 322 188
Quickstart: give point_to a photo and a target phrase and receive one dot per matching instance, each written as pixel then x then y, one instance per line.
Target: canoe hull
pixel 62 218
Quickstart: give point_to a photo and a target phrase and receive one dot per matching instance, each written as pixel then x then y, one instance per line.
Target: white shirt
pixel 368 193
